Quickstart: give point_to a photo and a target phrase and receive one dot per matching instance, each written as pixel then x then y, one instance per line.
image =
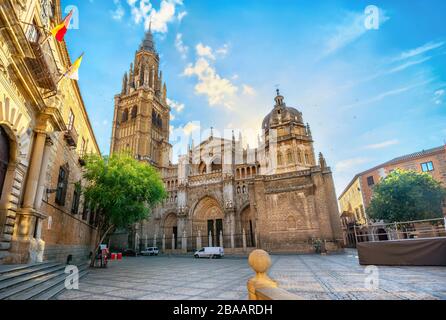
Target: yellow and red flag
pixel 61 29
pixel 73 71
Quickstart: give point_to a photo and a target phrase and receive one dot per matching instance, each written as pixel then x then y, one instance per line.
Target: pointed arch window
pixel 125 115
pixel 134 112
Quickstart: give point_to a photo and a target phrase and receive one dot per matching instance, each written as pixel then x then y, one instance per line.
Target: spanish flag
pixel 60 30
pixel 73 71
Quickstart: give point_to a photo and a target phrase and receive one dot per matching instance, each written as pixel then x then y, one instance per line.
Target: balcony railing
pixel 43 65
pixel 81 160
pixel 71 136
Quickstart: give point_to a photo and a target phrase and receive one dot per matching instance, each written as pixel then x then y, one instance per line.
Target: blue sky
pixel 369 95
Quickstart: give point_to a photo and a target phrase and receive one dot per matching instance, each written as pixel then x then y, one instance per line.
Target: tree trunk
pixel 93 258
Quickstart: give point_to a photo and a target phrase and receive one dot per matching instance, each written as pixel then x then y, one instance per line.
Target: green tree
pixel 407 196
pixel 122 190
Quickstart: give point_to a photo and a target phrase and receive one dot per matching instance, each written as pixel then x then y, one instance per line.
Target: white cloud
pixel 178 107
pixel 386 94
pixel 350 164
pixel 181 15
pixel 204 51
pixel 119 12
pixel 190 127
pixel 143 11
pixel 248 90
pixel 218 90
pixel 420 50
pixel 223 51
pixel 350 30
pixel 181 47
pixel 382 145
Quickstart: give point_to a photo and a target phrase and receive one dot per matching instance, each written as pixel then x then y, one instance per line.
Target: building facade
pixel 357 196
pixel 278 196
pixel 44 134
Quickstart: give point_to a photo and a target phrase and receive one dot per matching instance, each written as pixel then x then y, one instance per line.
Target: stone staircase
pixel 42 281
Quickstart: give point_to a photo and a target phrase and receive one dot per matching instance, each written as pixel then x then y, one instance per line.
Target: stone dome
pixel 281 114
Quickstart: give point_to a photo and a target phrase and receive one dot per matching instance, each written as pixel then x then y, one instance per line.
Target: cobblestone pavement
pixel 309 276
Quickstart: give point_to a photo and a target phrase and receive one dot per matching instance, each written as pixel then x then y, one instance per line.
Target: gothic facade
pixel 279 196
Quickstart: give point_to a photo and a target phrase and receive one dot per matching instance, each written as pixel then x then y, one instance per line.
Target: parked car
pixel 210 252
pixel 130 253
pixel 150 251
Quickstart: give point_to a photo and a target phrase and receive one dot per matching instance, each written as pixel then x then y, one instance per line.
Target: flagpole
pixel 66 72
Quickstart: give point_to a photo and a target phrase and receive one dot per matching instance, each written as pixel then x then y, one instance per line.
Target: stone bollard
pixel 260 262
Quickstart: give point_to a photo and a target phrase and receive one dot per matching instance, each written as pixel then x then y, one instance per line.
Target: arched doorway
pixel 171 231
pixel 4 157
pixel 208 219
pixel 248 224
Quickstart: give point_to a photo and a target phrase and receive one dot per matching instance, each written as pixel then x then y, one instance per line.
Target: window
pixel 427 166
pixel 70 120
pixel 85 212
pixel 134 112
pixel 370 181
pixel 125 115
pixel 33 34
pixel 62 186
pixel 76 200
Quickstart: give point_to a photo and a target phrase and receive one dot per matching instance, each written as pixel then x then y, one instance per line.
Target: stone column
pixel 164 243
pixel 43 171
pixel 221 239
pixel 173 242
pixel 232 239
pixel 210 239
pixel 184 243
pixel 199 240
pixel 244 240
pixel 154 240
pixel 34 170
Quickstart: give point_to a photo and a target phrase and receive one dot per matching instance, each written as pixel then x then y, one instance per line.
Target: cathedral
pixel 278 197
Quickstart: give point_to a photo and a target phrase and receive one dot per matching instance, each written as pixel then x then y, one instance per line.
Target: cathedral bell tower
pixel 142 116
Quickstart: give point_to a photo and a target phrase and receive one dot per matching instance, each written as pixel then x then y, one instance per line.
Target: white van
pixel 150 251
pixel 210 252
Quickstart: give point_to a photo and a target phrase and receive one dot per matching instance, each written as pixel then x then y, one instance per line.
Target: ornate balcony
pixel 43 64
pixel 71 136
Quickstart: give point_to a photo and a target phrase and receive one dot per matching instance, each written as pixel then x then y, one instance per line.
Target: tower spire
pixel 148 44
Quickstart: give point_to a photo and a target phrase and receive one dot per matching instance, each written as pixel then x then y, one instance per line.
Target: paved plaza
pixel 309 276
